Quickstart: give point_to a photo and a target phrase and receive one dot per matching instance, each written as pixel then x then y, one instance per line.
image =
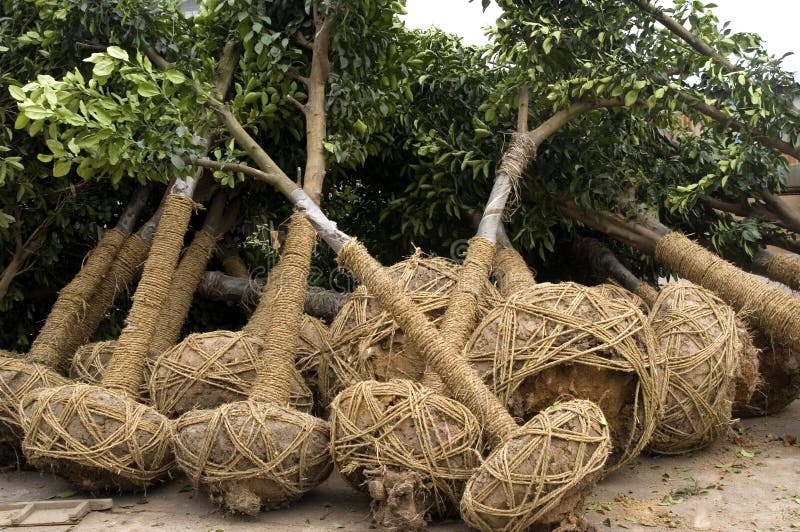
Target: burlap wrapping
pixel 561 341
pixel 60 328
pixel 187 276
pixel 404 427
pixel 96 439
pixel 210 369
pixel 250 455
pixel 778 384
pixel 697 332
pixel 543 473
pixel 366 343
pixel 769 308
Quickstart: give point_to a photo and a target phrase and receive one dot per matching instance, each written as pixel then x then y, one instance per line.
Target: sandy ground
pixel 747 481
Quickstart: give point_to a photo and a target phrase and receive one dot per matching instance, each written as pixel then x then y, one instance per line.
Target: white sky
pixel 775 20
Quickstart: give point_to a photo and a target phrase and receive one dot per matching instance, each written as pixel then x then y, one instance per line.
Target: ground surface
pixel 748 481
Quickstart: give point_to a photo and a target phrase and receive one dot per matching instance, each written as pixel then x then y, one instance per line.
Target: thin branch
pixel 301 107
pixel 291 74
pixel 303 41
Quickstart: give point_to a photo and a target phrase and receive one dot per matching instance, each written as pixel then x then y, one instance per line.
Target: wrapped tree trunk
pixel 781 267
pixel 50 352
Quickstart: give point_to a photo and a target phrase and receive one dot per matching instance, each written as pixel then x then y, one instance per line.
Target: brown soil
pixel 747 377
pixel 250 455
pixel 400 499
pixel 542 465
pixel 210 369
pixel 779 383
pixel 95 439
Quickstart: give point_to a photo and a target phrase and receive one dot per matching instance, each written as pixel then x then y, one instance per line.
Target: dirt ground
pixel 748 481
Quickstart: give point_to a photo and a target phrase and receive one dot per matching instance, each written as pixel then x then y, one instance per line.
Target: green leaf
pixel 17 93
pixel 61 168
pixel 147 90
pixel 631 97
pixel 117 53
pixel 175 77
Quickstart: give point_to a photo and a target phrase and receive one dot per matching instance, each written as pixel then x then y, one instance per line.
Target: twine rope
pixel 511 271
pixel 17 379
pixel 461 379
pixel 785 269
pixel 184 283
pixel 50 344
pixel 275 366
pixel 126 369
pixel 771 309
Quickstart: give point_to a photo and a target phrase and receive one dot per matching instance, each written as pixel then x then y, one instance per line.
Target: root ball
pixel 95 439
pixel 385 433
pixel 543 473
pixel 209 369
pixel 90 361
pixel 250 455
pixel 698 335
pixel 366 343
pixel 565 341
pixel 778 384
pixel 17 379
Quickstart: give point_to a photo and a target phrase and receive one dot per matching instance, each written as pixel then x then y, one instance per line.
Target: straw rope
pixel 771 309
pixel 698 334
pixel 187 276
pixel 366 343
pixel 96 439
pixel 69 308
pixel 784 269
pixel 125 371
pixel 257 324
pixel 613 291
pixel 461 379
pixel 543 473
pixel 557 341
pixel 647 293
pixel 520 153
pixel 126 266
pixel 250 454
pixel 210 369
pixel 18 378
pixel 404 426
pixel 511 271
pixel 275 366
pixel 90 361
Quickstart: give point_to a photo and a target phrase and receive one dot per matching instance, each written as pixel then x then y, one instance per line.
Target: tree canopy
pixel 660 110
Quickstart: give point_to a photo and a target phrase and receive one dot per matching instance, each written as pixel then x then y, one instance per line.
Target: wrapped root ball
pixel 412 448
pixel 612 291
pixel 90 361
pixel 697 332
pixel 314 339
pixel 97 440
pixel 209 369
pixel 565 341
pixel 542 474
pixel 778 384
pixel 17 379
pixel 250 455
pixel 366 343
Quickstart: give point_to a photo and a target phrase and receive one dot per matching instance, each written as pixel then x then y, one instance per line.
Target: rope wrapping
pixel 97 439
pixel 210 369
pixel 250 455
pixel 187 276
pixel 563 341
pixel 126 267
pixel 647 293
pixel 90 362
pixel 126 369
pixel 59 330
pixel 404 427
pixel 784 269
pixel 511 271
pixel 769 308
pixel 612 291
pixel 543 473
pixel 698 334
pixel 461 379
